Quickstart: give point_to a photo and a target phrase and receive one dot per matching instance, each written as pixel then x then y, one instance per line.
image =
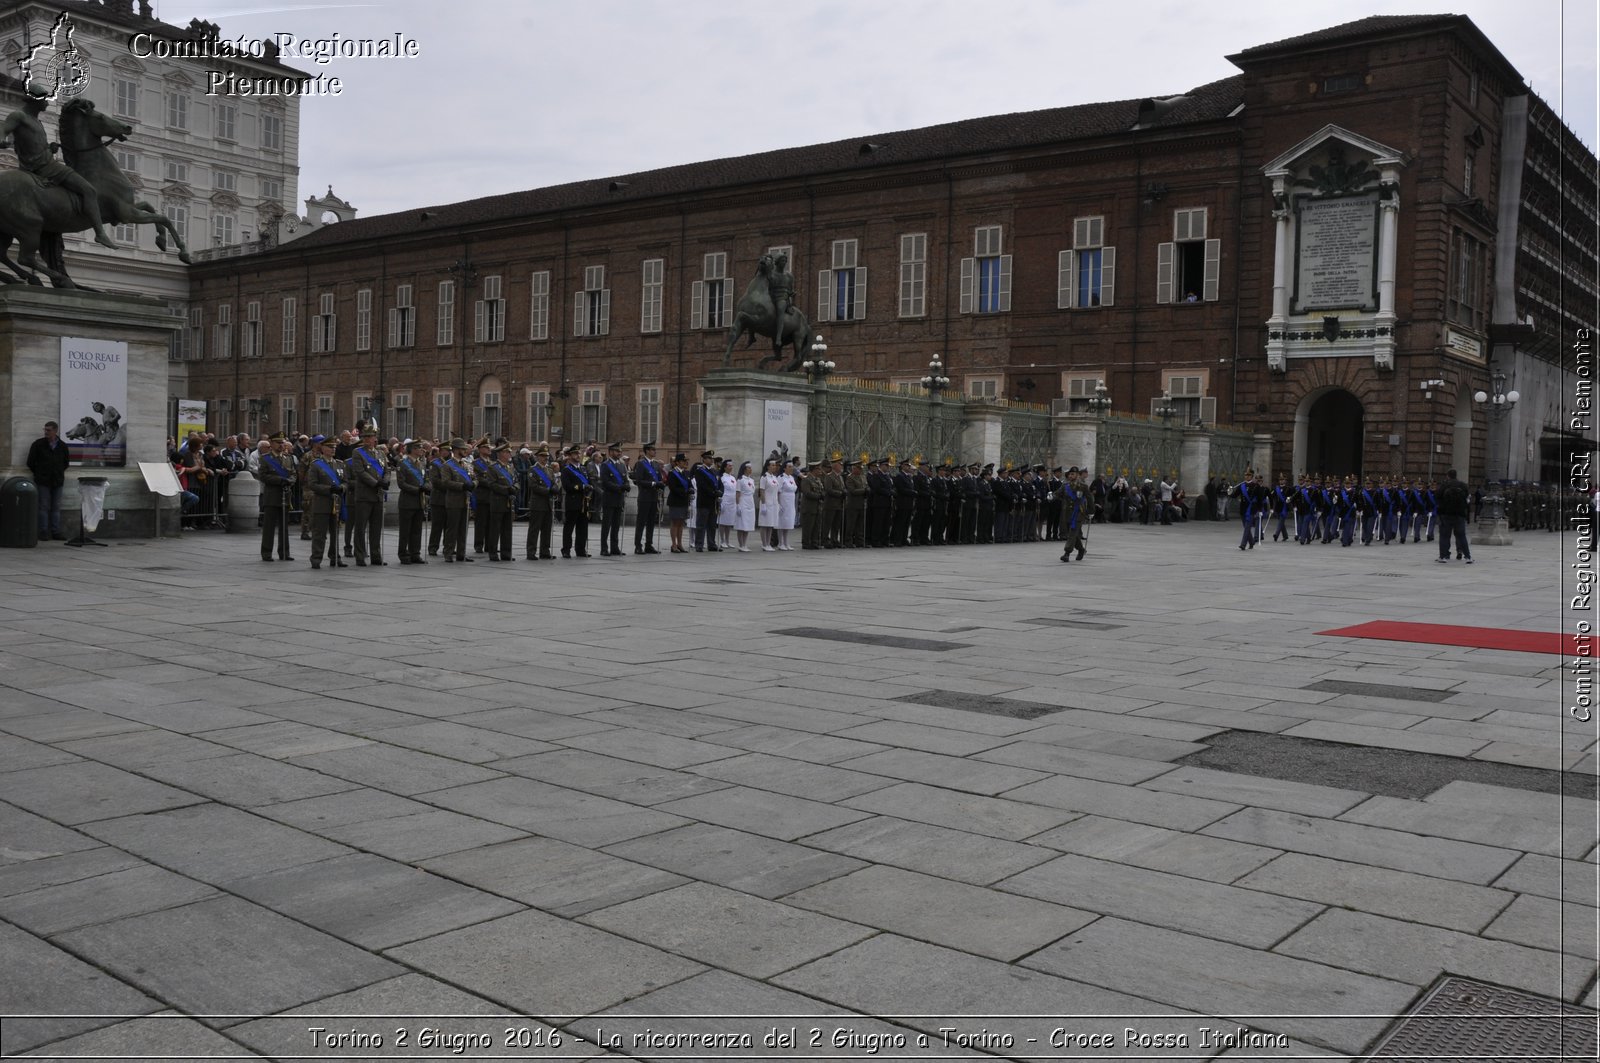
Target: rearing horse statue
pixel 754 317
pixel 35 216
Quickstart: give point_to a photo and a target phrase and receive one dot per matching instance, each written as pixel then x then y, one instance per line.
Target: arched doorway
pixel 1328 437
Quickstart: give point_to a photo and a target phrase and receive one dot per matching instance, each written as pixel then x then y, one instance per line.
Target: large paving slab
pixel 214 843
pixel 932 850
pixel 83 791
pixel 49 984
pixel 1156 848
pixel 556 876
pixel 555 811
pixel 749 863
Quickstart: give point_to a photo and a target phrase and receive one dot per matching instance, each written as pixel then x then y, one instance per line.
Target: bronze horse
pixel 36 216
pixel 754 317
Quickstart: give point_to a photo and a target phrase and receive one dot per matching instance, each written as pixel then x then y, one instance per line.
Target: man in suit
pixel 412 478
pixel 276 472
pixel 650 479
pixel 614 488
pixel 542 493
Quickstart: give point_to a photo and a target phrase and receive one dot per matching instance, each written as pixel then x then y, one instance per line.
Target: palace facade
pixel 1297 249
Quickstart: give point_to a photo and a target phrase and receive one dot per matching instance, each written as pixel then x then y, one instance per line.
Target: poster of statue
pixel 94 401
pixel 779 429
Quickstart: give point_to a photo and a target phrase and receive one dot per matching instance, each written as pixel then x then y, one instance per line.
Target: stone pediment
pixel 176 190
pixel 225 200
pixel 1302 154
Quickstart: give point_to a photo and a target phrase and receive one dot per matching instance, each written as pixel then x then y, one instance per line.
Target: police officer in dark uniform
pixel 500 485
pixel 985 520
pixel 577 491
pixel 325 480
pixel 614 488
pixel 855 505
pixel 437 516
pixel 651 480
pixel 542 489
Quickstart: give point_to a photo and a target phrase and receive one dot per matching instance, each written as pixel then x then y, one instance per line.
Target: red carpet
pixel 1485 638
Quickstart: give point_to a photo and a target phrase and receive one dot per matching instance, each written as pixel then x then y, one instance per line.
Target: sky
pixel 507 95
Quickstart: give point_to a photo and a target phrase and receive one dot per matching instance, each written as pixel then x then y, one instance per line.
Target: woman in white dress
pixel 744 507
pixel 726 505
pixel 767 514
pixel 786 508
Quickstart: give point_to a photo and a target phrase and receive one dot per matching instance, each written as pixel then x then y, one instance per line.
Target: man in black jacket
pixel 48 459
pixel 1454 501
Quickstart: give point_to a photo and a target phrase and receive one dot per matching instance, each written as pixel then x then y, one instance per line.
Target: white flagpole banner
pixel 94 399
pixel 779 431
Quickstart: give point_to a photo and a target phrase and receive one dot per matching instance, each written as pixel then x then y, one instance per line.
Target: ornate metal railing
pixel 849 420
pixel 1027 435
pixel 1232 452
pixel 1136 447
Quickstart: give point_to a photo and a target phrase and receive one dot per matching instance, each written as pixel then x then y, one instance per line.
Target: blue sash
pixel 372 463
pixel 505 472
pixel 1075 503
pixel 277 469
pixel 615 472
pixel 545 477
pixel 414 470
pixel 322 463
pixel 574 470
pixel 681 479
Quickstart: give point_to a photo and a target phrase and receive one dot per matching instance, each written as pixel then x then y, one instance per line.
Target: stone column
pixel 33 322
pixel 736 412
pixel 980 436
pixel 1388 249
pixel 1194 459
pixel 1077 438
pixel 1281 264
pixel 1261 461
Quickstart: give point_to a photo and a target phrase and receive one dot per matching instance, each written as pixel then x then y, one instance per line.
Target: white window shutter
pixel 969 285
pixel 726 317
pixel 1066 277
pixel 480 321
pixel 1080 233
pixel 394 327
pixel 1005 283
pixel 1180 225
pixel 605 315
pixel 697 304
pixel 1164 256
pixel 1208 410
pixel 1213 270
pixel 859 311
pixel 580 319
pixel 825 295
pixel 1108 275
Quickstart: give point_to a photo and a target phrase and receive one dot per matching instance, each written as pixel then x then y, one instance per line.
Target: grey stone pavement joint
pixel 612 795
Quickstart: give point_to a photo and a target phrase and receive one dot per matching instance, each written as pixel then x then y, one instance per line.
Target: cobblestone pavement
pixel 608 795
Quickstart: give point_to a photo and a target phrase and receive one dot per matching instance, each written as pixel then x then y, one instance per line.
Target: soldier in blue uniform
pixel 1250 498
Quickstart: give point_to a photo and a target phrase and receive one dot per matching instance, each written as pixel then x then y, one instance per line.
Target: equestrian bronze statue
pixel 756 315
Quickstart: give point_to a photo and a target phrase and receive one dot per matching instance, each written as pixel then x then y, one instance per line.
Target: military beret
pixel 318 440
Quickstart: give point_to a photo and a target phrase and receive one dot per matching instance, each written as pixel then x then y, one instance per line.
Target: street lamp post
pixel 1492 526
pixel 817 367
pixel 935 380
pixel 1100 401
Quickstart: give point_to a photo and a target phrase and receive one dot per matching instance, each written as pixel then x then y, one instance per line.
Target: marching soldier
pixel 415 486
pixel 1279 505
pixel 325 478
pixel 1075 511
pixel 456 479
pixel 370 478
pixel 1249 494
pixel 276 473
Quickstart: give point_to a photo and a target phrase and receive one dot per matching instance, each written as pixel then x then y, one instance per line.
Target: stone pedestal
pixel 1077 437
pixel 980 436
pixel 736 412
pixel 1194 460
pixel 33 321
pixel 1263 457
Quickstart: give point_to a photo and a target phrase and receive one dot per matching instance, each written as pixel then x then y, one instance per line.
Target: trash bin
pixel 19 512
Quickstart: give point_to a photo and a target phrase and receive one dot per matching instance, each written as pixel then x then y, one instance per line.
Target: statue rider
pixel 780 285
pixel 35 154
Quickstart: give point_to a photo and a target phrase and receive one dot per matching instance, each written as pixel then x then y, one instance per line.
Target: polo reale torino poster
pixel 94 401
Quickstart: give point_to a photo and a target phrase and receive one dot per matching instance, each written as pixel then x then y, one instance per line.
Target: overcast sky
pixel 513 95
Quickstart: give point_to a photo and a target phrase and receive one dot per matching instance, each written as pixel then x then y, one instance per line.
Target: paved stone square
pixel 598 794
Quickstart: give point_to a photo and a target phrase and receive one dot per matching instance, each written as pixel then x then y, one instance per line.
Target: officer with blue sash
pixel 325 478
pixel 1075 508
pixel 438 515
pixel 1250 498
pixel 577 491
pixel 614 488
pixel 456 479
pixel 542 492
pixel 412 477
pixel 276 473
pixel 369 480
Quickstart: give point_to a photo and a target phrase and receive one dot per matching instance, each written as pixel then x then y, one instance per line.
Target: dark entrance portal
pixel 1333 435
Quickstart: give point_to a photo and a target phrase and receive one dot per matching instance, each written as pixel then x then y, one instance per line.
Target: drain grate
pixel 1086 625
pixel 1379 690
pixel 984 703
pixel 1371 769
pixel 862 638
pixel 1463 1019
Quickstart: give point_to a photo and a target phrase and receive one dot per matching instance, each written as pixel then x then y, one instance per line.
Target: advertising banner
pixel 94 401
pixel 191 417
pixel 778 430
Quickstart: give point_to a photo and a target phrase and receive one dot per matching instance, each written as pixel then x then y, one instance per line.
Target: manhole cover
pixel 862 638
pixel 1463 1019
pixel 984 703
pixel 1086 625
pixel 1379 690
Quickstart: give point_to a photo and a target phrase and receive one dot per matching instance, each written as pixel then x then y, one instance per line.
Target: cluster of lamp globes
pixel 818 365
pixel 935 380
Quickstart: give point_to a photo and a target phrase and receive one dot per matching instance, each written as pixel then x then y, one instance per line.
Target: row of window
pixel 127 101
pixel 1185 395
pixel 177 171
pixel 1188 270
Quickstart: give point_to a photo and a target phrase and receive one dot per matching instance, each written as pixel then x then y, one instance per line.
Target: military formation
pixel 1328 509
pixel 459 501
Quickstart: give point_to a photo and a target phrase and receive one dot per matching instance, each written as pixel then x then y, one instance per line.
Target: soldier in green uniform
pixel 501 482
pixel 542 490
pixel 855 505
pixel 415 484
pixel 325 479
pixel 832 507
pixel 369 481
pixel 811 495
pixel 456 479
pixel 437 516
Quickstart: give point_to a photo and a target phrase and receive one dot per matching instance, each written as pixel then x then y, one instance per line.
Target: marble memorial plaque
pixel 1338 252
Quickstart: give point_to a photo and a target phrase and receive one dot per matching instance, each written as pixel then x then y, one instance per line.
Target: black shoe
pixel 336 563
pixel 379 561
pixel 315 565
pixel 349 551
pixel 566 554
pixel 583 554
pixel 547 557
pixel 638 549
pixel 1080 555
pixel 266 557
pixel 1066 558
pixel 467 560
pixel 605 553
pixel 305 538
pixel 418 561
pixel 361 562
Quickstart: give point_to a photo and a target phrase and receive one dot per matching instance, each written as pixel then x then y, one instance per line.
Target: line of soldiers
pixel 1325 509
pixel 877 504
